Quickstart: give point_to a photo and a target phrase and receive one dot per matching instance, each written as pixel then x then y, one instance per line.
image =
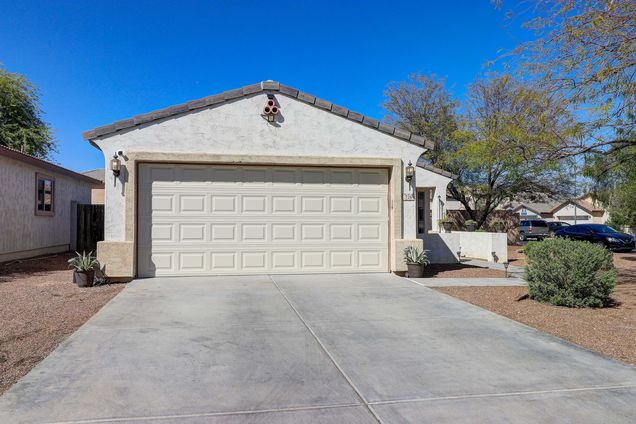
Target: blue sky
pixel 97 62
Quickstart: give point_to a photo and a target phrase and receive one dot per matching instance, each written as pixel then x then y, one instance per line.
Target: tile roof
pixel 437 170
pixel 549 207
pixel 267 87
pixel 44 164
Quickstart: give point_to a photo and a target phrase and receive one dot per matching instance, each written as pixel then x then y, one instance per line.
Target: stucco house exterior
pixel 37 205
pixel 262 179
pixel 97 192
pixel 582 210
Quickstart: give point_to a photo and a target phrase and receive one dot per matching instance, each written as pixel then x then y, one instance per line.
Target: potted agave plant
pixel 83 268
pixel 470 225
pixel 416 260
pixel 446 223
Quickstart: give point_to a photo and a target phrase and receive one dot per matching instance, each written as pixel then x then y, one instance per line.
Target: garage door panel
pixel 233 219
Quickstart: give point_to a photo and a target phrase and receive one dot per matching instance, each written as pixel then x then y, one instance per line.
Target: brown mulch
pixel 460 271
pixel 39 308
pixel 516 256
pixel 610 331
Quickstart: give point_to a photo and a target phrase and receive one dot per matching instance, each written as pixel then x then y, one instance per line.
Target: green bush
pixel 570 273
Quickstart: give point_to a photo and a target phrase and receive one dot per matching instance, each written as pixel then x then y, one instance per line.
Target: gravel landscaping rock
pixel 610 331
pixel 39 307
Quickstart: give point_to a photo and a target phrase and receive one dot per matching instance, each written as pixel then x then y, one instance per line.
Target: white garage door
pixel 204 220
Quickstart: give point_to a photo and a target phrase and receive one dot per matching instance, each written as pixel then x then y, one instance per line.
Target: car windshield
pixel 600 228
pixel 539 224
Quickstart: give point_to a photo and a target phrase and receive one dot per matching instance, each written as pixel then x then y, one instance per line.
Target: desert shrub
pixel 570 273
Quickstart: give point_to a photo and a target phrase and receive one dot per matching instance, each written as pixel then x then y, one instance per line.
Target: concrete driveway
pixel 362 348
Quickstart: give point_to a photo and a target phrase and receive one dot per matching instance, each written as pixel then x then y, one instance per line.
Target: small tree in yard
pixel 21 124
pixel 502 146
pixel 570 273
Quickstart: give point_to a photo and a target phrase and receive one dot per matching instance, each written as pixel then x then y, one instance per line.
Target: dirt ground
pixel 610 331
pixel 625 262
pixel 39 307
pixel 516 256
pixel 460 271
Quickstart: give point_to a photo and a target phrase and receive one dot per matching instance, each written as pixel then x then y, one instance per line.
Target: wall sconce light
pixel 115 165
pixel 410 171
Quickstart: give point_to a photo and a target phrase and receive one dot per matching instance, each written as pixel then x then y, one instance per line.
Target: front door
pixel 423 212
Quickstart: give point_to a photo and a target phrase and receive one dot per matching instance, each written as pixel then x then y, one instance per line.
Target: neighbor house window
pixel 44 195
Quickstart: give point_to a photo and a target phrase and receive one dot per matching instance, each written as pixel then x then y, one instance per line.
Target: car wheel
pixel 600 243
pixel 522 237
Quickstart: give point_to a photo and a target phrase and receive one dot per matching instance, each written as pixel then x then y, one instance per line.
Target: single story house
pixel 37 201
pixel 97 193
pixel 262 179
pixel 582 210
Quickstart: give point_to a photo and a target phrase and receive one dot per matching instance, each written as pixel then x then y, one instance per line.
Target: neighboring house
pixel 97 193
pixel 262 179
pixel 580 211
pixel 37 201
pixel 533 210
pixel 576 211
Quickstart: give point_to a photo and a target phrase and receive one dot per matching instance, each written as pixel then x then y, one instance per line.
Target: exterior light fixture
pixel 505 264
pixel 459 254
pixel 115 165
pixel 410 171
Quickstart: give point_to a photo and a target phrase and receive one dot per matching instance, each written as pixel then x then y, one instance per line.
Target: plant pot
pixel 470 227
pixel 499 228
pixel 447 226
pixel 415 270
pixel 84 278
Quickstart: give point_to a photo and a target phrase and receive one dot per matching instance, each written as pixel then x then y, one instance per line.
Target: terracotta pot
pixel 84 278
pixel 415 270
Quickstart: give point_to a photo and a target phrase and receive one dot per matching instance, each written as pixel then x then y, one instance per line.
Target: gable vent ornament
pixel 270 110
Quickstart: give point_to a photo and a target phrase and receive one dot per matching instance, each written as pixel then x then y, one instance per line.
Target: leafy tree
pixel 21 125
pixel 586 51
pixel 615 186
pixel 503 144
pixel 422 105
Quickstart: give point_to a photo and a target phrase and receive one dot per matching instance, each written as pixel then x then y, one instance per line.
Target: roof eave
pixel 265 86
pixel 438 171
pixel 31 160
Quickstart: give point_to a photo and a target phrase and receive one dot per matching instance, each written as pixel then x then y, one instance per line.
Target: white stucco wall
pixel 426 178
pixel 443 247
pixel 238 128
pixel 568 211
pixel 20 229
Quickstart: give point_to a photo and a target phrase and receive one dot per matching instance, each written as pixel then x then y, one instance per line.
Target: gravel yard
pixel 610 331
pixel 460 271
pixel 39 307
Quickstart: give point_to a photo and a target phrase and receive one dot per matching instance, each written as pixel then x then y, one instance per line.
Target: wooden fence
pixel 90 227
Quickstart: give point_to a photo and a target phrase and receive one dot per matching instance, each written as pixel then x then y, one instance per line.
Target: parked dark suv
pixel 533 228
pixel 555 226
pixel 600 234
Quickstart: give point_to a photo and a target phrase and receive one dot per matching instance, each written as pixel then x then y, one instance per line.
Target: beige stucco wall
pixel 97 195
pixel 24 234
pixel 568 211
pixel 235 132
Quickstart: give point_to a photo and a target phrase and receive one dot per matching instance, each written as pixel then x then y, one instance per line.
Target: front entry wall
pixel 206 220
